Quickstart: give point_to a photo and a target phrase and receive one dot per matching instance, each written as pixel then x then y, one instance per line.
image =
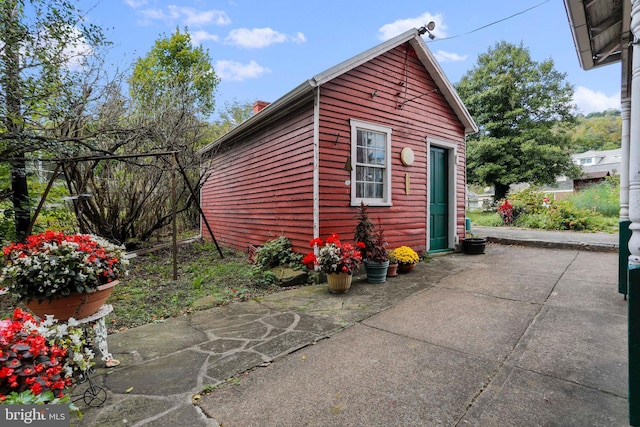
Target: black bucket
pixel 474 245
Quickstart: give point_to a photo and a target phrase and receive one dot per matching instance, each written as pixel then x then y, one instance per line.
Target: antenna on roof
pixel 427 29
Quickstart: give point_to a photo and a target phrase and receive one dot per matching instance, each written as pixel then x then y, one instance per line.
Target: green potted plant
pixel 407 258
pixel 337 260
pixel 376 262
pixel 64 275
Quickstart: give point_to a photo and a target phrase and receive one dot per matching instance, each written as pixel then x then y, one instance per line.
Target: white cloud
pixel 186 15
pixel 260 37
pixel 237 72
pixel 191 16
pixel 391 30
pixel 135 3
pixel 156 15
pixel 443 56
pixel 590 101
pixel 73 53
pixel 200 36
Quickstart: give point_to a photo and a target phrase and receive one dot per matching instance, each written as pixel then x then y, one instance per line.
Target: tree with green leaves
pixel 175 73
pixel 523 109
pixel 44 48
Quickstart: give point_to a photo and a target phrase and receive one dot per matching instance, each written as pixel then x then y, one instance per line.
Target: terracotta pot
pixel 74 305
pixel 405 268
pixel 339 283
pixel 393 270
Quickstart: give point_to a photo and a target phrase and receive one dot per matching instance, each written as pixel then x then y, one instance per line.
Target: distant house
pixel 596 166
pixel 385 128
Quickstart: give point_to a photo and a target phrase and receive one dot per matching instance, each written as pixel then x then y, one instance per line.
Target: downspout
pixel 316 163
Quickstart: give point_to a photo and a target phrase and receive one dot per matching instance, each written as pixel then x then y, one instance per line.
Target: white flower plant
pixel 70 336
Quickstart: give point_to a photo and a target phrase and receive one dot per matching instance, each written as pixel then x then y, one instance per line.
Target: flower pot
pixel 74 305
pixel 339 283
pixel 376 271
pixel 405 268
pixel 393 270
pixel 474 245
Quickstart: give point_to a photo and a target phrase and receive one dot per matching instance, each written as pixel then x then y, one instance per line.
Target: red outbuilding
pixel 385 127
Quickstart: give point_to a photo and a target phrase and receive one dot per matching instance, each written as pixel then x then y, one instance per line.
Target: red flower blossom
pixel 316 241
pixel 36 389
pixel 505 210
pixel 309 259
pixel 334 238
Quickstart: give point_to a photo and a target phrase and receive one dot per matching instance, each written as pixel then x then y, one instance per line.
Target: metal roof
pixel 600 30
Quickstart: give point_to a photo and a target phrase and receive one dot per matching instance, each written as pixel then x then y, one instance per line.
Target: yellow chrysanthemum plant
pixel 405 255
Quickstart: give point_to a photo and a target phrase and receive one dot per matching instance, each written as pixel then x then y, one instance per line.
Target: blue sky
pixel 263 49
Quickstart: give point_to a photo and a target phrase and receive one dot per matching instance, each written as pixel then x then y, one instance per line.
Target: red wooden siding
pixel 262 187
pixel 406 101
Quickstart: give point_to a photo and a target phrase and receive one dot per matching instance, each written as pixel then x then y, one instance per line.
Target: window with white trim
pixel 587 161
pixel 371 164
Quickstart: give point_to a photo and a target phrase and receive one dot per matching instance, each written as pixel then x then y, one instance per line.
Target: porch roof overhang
pixel 306 91
pixel 600 30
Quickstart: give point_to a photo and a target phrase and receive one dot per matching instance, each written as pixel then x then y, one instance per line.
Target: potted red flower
pixel 52 265
pixel 338 260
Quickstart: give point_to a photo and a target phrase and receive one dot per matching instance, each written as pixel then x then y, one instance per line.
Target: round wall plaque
pixel 406 156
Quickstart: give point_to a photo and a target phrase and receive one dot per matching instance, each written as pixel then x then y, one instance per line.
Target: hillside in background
pixel 598 131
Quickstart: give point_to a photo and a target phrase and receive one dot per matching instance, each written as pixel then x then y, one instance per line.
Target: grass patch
pixel 150 295
pixel 484 219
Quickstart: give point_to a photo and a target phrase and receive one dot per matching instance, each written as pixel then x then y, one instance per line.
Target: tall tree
pixel 175 73
pixel 41 41
pixel 522 108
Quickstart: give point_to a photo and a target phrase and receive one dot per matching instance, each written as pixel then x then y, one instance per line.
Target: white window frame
pixel 386 197
pixel 586 161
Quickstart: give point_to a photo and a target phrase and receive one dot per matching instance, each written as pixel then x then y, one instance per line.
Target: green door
pixel 439 200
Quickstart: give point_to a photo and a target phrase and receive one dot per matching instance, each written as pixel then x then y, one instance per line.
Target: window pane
pixel 379 141
pixel 378 191
pixel 369 191
pixel 378 157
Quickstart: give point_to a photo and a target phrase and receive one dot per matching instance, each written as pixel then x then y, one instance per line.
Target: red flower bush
pixel 505 210
pixel 334 256
pixel 27 360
